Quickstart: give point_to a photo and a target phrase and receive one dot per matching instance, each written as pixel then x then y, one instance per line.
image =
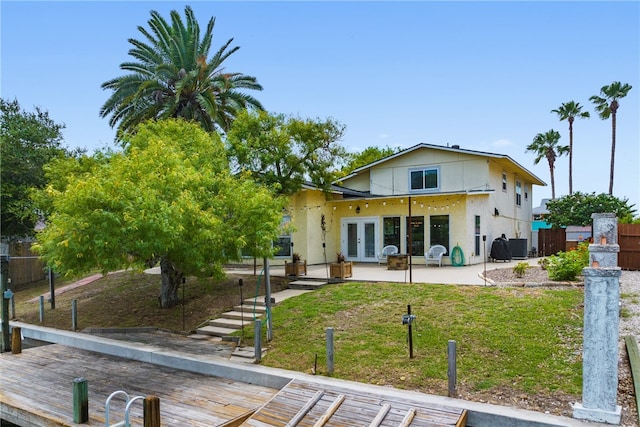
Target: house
pixel 440 195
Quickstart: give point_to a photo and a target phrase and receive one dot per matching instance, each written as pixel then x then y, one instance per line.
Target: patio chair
pixel 434 255
pixel 387 250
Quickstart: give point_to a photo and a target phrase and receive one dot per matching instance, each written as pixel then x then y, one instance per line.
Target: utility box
pixel 518 248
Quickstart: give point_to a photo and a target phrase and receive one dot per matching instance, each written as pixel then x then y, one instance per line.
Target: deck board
pixel 360 408
pixel 38 383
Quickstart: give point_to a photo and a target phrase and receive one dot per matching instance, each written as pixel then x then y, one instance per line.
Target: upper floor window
pixel 426 179
pixel 504 182
pixel 518 193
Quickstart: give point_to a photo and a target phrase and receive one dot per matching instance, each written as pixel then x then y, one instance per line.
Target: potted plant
pixel 296 267
pixel 341 269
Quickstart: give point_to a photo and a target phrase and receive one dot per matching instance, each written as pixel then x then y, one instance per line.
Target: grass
pixel 130 299
pixel 519 342
pixel 526 340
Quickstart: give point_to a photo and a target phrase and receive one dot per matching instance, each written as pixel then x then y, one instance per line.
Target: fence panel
pixel 629 241
pixel 24 266
pixel 551 241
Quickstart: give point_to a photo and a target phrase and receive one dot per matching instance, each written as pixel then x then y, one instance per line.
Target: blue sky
pixel 484 75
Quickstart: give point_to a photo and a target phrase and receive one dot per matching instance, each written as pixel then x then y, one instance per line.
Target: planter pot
pixel 341 270
pixel 296 269
pixel 397 262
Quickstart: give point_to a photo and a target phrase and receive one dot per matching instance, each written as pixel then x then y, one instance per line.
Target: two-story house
pixel 426 195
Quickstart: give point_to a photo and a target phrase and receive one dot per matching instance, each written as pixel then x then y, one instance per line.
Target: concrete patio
pixel 419 273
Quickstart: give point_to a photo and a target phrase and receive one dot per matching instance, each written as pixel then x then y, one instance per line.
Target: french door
pixel 358 239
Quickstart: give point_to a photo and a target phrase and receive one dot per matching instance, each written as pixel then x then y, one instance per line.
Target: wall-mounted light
pixel 350 206
pixel 357 209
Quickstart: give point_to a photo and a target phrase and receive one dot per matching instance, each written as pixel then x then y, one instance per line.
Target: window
pixel 477 236
pixel 504 182
pixel 283 242
pixel 439 231
pixel 526 192
pixel 421 180
pixel 416 228
pixel 391 231
pixel 518 193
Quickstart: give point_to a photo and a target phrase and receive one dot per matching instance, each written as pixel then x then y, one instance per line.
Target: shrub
pixel 520 269
pixel 543 263
pixel 568 265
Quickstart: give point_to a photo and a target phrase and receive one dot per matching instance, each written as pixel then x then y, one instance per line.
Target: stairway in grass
pixel 243 315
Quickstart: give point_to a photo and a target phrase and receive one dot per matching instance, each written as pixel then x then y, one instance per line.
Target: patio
pixel 372 272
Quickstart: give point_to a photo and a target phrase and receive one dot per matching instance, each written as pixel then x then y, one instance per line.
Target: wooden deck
pixel 36 386
pixel 305 404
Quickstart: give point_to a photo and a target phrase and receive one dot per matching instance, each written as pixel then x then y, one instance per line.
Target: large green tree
pixel 168 197
pixel 173 75
pixel 365 157
pixel 607 106
pixel 576 209
pixel 28 141
pixel 569 111
pixel 547 146
pixel 282 152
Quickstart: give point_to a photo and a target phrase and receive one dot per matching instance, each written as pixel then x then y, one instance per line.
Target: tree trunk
pixel 171 279
pixel 614 108
pixel 570 155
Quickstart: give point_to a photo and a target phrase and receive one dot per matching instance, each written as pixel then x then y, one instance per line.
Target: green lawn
pixel 516 339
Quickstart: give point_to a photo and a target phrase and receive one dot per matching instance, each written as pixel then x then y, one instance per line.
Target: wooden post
pixel 16 340
pixel 452 371
pixel 74 315
pixel 151 411
pixel 257 340
pixel 330 351
pixel 80 401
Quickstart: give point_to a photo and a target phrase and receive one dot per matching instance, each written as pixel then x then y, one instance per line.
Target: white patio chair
pixel 434 255
pixel 387 250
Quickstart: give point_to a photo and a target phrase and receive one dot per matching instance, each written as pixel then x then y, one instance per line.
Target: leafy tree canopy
pixel 282 152
pixel 576 209
pixel 28 141
pixel 168 197
pixel 173 74
pixel 365 157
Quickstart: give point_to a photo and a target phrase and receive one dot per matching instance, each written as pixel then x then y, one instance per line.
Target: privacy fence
pixel 552 241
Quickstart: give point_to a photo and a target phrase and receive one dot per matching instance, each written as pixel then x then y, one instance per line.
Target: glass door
pixel 358 239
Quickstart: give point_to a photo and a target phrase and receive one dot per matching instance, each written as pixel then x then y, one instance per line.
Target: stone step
pixel 239 315
pixel 249 309
pixel 215 331
pixel 308 285
pixel 230 323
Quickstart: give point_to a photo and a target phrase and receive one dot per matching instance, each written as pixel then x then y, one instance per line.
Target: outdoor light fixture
pixel 334 208
pixel 366 205
pixel 384 203
pixel 350 206
pixel 357 209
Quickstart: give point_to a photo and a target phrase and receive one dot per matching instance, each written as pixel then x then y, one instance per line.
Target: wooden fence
pixel 24 266
pixel 552 241
pixel 629 241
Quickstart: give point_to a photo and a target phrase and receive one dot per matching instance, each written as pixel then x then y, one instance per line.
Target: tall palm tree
pixel 546 145
pixel 173 76
pixel 607 106
pixel 569 111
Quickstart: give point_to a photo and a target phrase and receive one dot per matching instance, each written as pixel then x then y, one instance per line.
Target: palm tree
pixel 607 105
pixel 569 111
pixel 173 77
pixel 546 145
